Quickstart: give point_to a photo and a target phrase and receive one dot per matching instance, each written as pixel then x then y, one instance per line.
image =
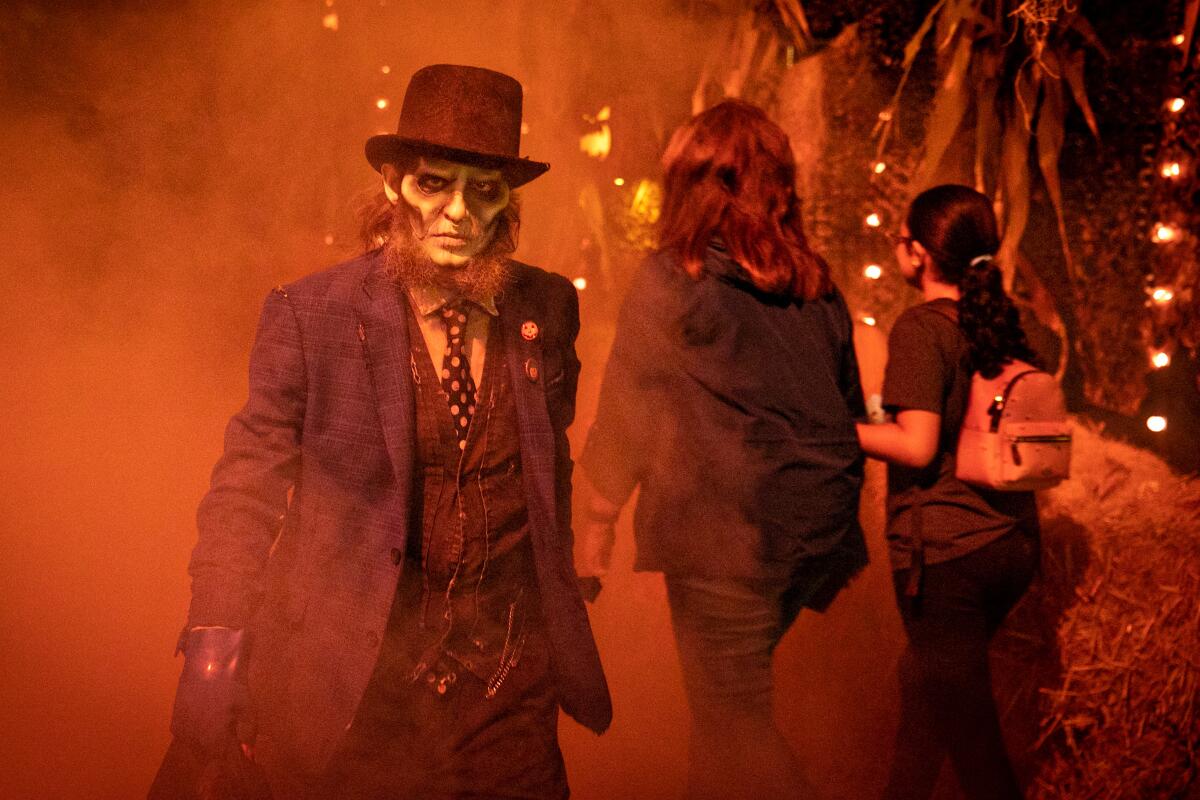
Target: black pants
pixel 947 708
pixel 410 742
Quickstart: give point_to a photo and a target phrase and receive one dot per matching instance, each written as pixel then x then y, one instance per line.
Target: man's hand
pixel 211 692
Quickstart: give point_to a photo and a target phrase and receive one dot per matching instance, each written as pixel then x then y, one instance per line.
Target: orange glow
pixel 580 283
pixel 879 167
pixel 1164 233
pixel 1176 104
pixel 1160 359
pixel 1162 295
pixel 597 144
pixel 873 272
pixel 1178 39
pixel 868 320
pixel 1172 169
pixel 1156 423
pixel 618 181
pixel 330 21
pixel 874 220
pixel 385 69
pixel 381 103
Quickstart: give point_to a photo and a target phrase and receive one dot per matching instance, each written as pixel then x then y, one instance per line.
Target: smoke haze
pixel 162 166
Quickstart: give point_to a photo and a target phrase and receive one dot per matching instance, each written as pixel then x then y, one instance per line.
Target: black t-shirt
pixel 927 371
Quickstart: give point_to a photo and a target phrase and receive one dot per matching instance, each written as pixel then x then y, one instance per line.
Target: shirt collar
pixel 429 299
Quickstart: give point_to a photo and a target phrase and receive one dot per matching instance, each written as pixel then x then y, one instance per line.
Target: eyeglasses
pixel 897 239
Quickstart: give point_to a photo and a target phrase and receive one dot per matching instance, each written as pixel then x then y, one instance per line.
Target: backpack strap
pixel 916 554
pixel 916 567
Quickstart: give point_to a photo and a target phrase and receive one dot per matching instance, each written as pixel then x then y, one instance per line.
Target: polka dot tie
pixel 456 372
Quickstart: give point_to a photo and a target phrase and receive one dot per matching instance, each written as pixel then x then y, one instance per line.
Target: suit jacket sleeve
pixel 564 415
pixel 241 514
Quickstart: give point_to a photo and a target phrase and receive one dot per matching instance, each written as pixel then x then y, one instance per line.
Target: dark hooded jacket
pixel 733 412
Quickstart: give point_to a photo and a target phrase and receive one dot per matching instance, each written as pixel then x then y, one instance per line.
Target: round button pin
pixel 529 330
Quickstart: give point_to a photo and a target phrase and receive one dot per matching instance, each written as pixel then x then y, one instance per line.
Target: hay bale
pixel 1098 668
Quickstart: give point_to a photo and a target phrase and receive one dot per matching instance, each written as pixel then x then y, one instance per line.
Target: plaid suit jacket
pixel 302 533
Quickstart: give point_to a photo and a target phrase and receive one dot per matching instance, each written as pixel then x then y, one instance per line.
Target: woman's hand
pixel 597 538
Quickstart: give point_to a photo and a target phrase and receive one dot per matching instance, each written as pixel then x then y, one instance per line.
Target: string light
pixel 329 238
pixel 1164 233
pixel 873 272
pixel 385 69
pixel 868 320
pixel 1178 39
pixel 1172 169
pixel 885 116
pixel 1162 295
pixel 381 103
pixel 330 21
pixel 878 167
pixel 1176 104
pixel 1160 359
pixel 580 283
pixel 618 181
pixel 873 220
pixel 1156 423
pixel 524 128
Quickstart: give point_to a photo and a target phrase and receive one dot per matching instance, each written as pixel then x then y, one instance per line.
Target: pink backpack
pixel 1015 435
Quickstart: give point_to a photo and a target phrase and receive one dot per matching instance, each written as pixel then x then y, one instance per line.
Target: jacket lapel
pixel 383 332
pixel 533 419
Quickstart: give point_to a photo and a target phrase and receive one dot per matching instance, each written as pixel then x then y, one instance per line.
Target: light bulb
pixel 873 272
pixel 1164 233
pixel 1156 423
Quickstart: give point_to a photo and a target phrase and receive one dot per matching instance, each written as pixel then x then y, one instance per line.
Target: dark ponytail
pixel 957 226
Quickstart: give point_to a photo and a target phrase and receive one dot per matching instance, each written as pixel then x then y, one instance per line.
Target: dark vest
pixel 477 597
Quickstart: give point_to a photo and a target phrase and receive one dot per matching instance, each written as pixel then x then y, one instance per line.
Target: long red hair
pixel 730 172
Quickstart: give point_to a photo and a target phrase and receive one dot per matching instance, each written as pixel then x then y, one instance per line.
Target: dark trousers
pixel 947 708
pixel 412 742
pixel 726 631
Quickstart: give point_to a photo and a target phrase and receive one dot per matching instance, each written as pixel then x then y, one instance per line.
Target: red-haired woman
pixel 729 398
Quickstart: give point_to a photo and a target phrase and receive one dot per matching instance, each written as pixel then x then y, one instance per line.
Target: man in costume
pixel 384 602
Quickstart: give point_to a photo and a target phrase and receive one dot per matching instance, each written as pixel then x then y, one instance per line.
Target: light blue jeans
pixel 726 631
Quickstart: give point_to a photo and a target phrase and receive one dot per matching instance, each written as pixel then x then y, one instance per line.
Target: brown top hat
pixel 465 114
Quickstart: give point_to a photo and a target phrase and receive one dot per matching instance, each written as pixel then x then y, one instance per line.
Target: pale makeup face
pixel 457 206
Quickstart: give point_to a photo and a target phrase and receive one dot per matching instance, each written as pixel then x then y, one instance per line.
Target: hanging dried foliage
pixel 1005 70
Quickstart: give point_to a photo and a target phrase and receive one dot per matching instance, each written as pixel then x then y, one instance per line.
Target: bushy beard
pixel 486 275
